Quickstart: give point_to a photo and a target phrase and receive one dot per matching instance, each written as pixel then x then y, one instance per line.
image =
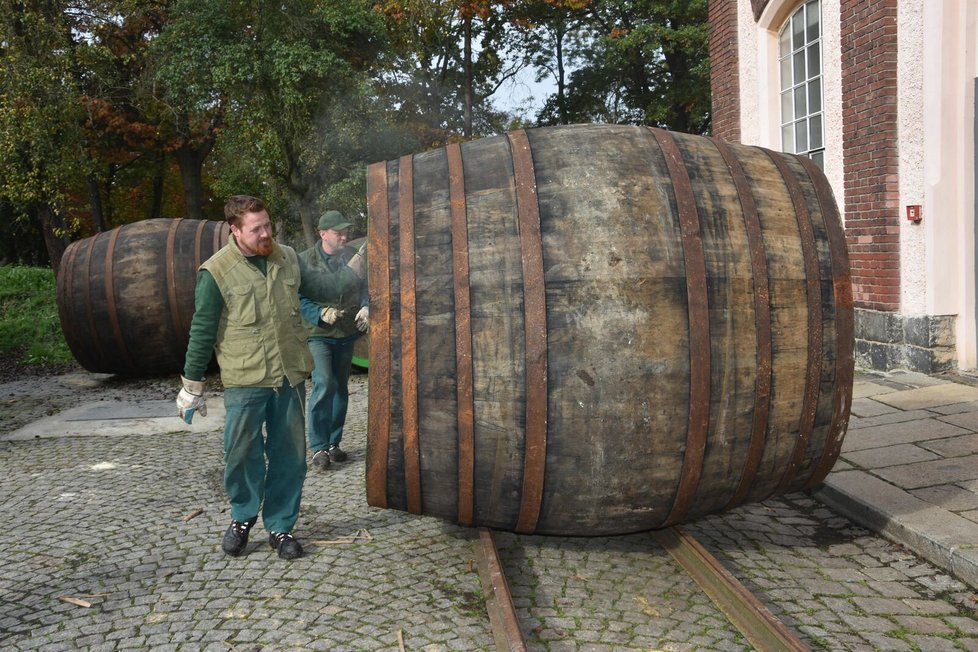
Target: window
pixel 800 58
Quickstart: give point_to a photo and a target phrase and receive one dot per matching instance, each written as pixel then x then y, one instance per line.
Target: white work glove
pixel 191 399
pixel 358 263
pixel 329 315
pixel 363 319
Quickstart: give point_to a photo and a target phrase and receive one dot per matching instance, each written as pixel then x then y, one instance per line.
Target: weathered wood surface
pixel 601 329
pixel 126 296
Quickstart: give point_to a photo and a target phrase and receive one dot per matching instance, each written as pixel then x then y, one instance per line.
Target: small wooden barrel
pixel 595 329
pixel 126 296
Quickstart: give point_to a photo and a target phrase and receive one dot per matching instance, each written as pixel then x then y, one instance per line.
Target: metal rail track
pixel 740 606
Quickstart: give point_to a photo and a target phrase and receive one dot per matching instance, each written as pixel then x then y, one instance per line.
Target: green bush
pixel 29 324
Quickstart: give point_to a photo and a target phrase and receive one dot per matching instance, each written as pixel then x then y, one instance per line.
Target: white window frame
pixel 800 82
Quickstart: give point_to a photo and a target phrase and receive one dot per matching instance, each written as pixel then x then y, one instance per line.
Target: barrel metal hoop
pixel 699 336
pixel 379 397
pixel 813 292
pixel 535 332
pixel 409 334
pixel 844 326
pixel 464 384
pixel 762 324
pixel 66 282
pixel 92 330
pixel 171 283
pixel 110 300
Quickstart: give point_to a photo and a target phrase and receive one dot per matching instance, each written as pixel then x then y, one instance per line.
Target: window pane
pixel 786 73
pixel 788 138
pixel 801 137
pixel 812 14
pixel 784 42
pixel 814 60
pixel 800 103
pixel 787 115
pixel 798 29
pixel 819 158
pixel 815 131
pixel 815 95
pixel 798 64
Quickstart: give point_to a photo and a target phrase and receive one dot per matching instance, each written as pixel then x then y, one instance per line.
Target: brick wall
pixel 724 72
pixel 869 116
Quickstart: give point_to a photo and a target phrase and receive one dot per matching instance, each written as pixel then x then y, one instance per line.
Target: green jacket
pixel 328 281
pixel 260 337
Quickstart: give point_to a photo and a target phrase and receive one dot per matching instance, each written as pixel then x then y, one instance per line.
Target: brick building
pixel 880 93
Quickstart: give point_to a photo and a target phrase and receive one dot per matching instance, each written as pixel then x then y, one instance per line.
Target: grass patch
pixel 29 325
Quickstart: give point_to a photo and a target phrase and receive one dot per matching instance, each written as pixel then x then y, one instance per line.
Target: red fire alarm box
pixel 914 214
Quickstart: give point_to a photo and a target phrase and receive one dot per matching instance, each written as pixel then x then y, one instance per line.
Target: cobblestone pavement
pixel 114 543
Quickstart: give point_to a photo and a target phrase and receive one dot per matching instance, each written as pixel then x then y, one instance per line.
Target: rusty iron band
pixel 535 329
pixel 171 282
pixel 699 331
pixel 110 300
pixel 813 293
pixel 762 325
pixel 409 334
pixel 93 331
pixel 464 383
pixel 378 272
pixel 844 326
pixel 66 283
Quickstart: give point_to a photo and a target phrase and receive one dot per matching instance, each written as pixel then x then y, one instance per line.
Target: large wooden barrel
pixel 596 329
pixel 126 296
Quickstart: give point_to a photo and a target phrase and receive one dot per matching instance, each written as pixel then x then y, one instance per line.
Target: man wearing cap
pixel 333 295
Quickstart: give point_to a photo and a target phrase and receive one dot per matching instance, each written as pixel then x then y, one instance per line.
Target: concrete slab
pixel 899 433
pixel 949 496
pixel 895 416
pixel 864 388
pixel 890 456
pixel 953 446
pixel 932 396
pixel 967 420
pixel 868 407
pixel 936 534
pixel 932 473
pixel 119 419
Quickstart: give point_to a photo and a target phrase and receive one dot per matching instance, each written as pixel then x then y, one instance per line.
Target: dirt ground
pixel 28 392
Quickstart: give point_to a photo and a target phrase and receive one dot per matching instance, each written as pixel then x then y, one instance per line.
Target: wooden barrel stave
pixel 126 296
pixel 769 410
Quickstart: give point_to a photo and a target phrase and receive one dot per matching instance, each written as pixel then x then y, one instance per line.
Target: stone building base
pixel 887 340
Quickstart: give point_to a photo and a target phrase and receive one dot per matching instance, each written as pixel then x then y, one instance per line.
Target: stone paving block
pixel 862 388
pixel 955 408
pixel 884 456
pixel 865 408
pixel 899 433
pixel 932 643
pixel 954 446
pixel 928 397
pixel 949 496
pixel 893 416
pixel 931 473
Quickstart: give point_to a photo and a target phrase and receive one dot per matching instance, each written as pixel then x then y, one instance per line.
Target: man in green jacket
pixel 247 311
pixel 334 301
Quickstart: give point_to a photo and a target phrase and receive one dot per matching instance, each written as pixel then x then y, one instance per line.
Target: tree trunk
pixel 95 199
pixel 159 176
pixel 467 91
pixel 51 224
pixel 191 162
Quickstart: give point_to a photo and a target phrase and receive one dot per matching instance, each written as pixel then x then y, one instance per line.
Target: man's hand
pixel 358 263
pixel 329 315
pixel 363 319
pixel 191 400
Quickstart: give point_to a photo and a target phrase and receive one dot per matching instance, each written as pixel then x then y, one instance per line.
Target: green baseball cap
pixel 333 220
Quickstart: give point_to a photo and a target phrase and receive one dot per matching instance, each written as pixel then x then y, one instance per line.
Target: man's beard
pixel 263 248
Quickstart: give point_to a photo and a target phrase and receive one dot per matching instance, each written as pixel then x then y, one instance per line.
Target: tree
pixel 644 62
pixel 41 141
